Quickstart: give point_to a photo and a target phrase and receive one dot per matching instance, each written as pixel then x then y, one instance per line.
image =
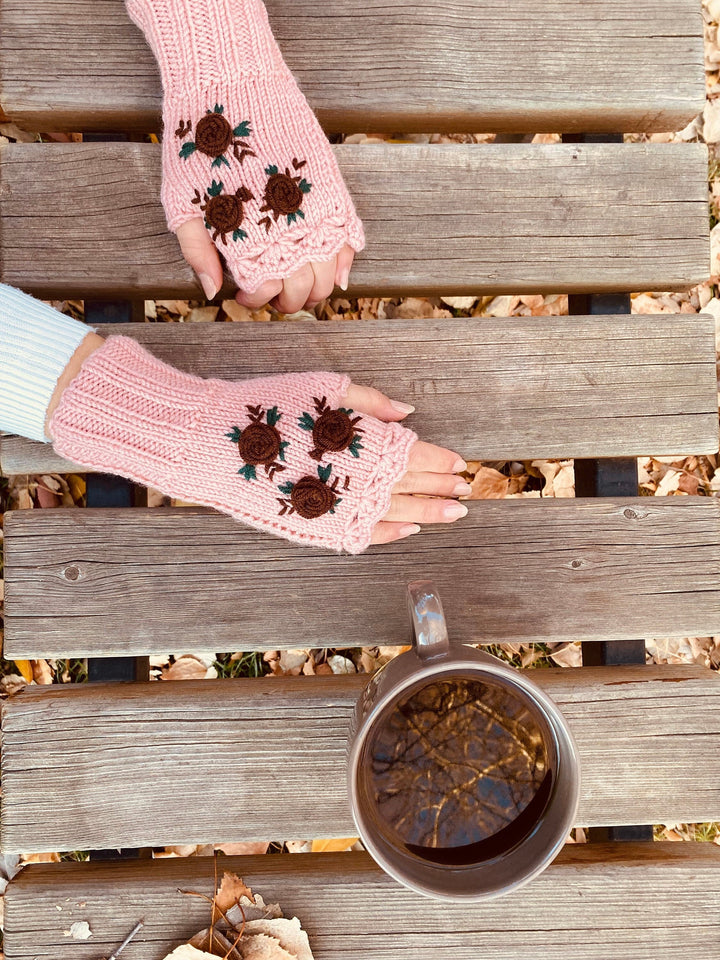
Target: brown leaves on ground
pixel 244 927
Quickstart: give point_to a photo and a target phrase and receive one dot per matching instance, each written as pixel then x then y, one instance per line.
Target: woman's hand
pixel 305 287
pixel 311 457
pixel 423 494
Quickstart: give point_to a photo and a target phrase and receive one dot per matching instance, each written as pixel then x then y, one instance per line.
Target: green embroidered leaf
pixel 242 129
pixel 324 472
pixel 355 446
pixel 286 488
pixel 239 235
pixel 219 161
pixel 235 434
pixel 218 108
pixel 271 170
pixel 306 422
pixel 187 149
pixel 273 416
pixel 300 214
pixel 248 471
pixel 345 410
pixel 283 445
pixel 215 188
pixel 207 224
pixel 304 185
pixel 337 501
pixel 291 218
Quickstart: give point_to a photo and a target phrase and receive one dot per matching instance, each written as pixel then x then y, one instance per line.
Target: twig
pixel 133 933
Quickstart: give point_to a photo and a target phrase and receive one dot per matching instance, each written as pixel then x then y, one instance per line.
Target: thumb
pixel 199 251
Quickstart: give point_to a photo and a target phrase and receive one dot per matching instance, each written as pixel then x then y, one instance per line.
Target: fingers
pixel 264 294
pixel 324 282
pixel 342 269
pixel 199 251
pixel 295 290
pixel 426 456
pixel 432 485
pixel 387 532
pixel 370 401
pixel 405 509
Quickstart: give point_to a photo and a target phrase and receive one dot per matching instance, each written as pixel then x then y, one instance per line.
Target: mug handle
pixel 430 636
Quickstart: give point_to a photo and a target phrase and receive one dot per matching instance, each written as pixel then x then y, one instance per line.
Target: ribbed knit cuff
pixel 36 344
pixel 197 42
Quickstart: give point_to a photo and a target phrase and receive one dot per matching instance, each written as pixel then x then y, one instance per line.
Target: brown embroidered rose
pixel 260 444
pixel 311 497
pixel 213 136
pixel 224 211
pixel 333 430
pixel 284 194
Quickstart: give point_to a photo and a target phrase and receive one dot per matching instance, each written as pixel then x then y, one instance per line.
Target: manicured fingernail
pixel 403 408
pixel 208 285
pixel 408 529
pixel 344 278
pixel 461 489
pixel 459 466
pixel 454 511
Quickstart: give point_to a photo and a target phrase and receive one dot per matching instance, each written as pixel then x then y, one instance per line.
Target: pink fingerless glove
pixel 278 453
pixel 241 146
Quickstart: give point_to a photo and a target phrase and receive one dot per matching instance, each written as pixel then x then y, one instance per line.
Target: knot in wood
pixel 630 514
pixel 71 573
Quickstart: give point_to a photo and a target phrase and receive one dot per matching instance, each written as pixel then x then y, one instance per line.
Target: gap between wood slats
pixel 349 907
pixel 622 65
pixel 131 765
pixel 121 582
pixel 85 219
pixel 493 389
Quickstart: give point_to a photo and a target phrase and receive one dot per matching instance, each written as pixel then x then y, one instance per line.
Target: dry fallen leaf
pixel 333 846
pixel 488 484
pixel 245 849
pixel 188 668
pixel 260 946
pixel 230 891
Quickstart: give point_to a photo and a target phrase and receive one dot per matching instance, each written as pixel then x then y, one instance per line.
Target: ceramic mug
pixel 463 774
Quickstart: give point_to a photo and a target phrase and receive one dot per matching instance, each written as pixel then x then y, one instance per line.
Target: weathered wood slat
pixel 114 582
pixel 597 901
pixel 494 389
pixel 201 762
pixel 472 66
pixel 85 219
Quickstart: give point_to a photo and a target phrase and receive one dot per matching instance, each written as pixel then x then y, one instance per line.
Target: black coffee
pixel 458 771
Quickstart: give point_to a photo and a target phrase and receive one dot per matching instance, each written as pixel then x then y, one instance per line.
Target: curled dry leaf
pixel 487 484
pixel 230 891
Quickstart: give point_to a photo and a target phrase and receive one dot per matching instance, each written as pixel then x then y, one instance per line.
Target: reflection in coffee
pixel 458 771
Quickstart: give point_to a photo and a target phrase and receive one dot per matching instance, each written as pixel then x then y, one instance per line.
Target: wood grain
pixel 85 219
pixel 105 582
pixel 132 765
pixel 622 66
pixel 493 389
pixel 652 901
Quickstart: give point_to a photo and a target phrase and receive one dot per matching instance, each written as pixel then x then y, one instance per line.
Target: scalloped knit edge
pixel 285 256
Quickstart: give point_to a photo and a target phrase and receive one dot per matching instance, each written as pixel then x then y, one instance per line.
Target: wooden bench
pixel 133 764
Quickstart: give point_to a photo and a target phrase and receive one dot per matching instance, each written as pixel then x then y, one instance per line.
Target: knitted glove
pixel 241 145
pixel 277 452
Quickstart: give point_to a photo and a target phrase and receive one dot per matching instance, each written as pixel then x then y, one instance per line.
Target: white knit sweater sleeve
pixel 36 343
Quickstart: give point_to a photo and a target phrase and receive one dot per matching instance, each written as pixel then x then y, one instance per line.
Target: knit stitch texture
pixel 241 146
pixel 242 447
